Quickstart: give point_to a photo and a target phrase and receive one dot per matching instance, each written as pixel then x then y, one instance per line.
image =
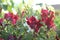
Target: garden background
pixel 29 20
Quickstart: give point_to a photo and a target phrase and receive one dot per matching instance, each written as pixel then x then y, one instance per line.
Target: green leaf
pixel 5 7
pixel 28 36
pixel 0 1
pixel 3 0
pixel 9 8
pixel 58 33
pixel 40 4
pixel 12 3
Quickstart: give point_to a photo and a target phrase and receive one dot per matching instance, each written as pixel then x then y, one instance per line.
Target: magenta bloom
pixel 48 18
pixel 8 16
pixel 34 23
pixel 14 19
pixel 44 12
pixel 50 23
pixel 11 17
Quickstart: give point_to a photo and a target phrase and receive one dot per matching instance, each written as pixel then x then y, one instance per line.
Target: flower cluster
pixel 10 16
pixel 48 18
pixel 34 23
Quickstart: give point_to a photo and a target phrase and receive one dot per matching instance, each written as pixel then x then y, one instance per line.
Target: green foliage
pixel 57 21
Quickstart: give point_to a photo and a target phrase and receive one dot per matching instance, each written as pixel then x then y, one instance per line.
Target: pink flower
pixel 48 18
pixel 52 15
pixel 14 19
pixel 44 12
pixel 34 23
pixel 10 16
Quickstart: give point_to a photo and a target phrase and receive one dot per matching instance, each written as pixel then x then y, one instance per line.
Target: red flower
pixel 13 21
pixel 44 12
pixel 13 18
pixel 1 21
pixel 52 15
pixel 8 16
pixel 48 18
pixel 50 23
pixel 34 23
